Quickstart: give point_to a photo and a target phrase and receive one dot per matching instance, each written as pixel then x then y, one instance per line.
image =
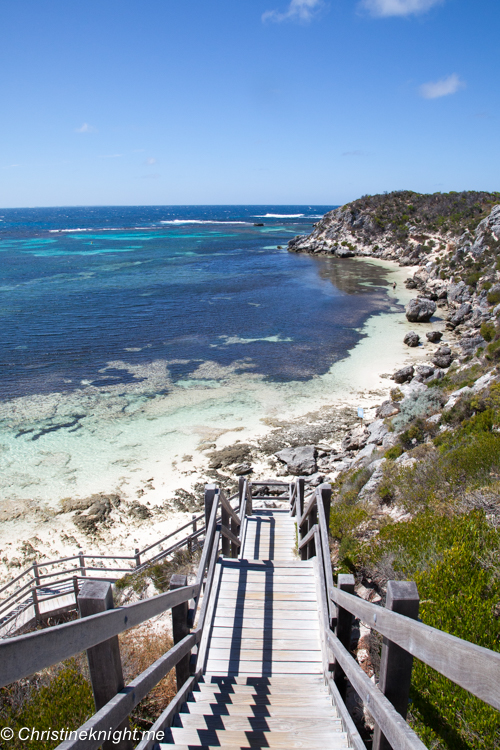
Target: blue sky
pixel 269 101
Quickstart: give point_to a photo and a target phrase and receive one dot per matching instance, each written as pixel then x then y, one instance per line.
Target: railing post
pixel 396 663
pixel 180 629
pixel 36 606
pixel 300 496
pixel 81 557
pixel 76 588
pixel 137 555
pixel 210 490
pixel 105 666
pixel 241 496
pixel 235 528
pixel 343 630
pixel 248 507
pixel 36 573
pixel 225 543
pixel 190 541
pixel 326 498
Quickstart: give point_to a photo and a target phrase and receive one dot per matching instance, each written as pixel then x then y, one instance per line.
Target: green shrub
pixel 494 297
pixel 493 350
pixel 449 559
pixel 395 452
pixel 66 702
pixel 416 405
pixel 488 331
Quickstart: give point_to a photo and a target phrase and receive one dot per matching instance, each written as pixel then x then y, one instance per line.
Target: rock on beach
pixel 420 310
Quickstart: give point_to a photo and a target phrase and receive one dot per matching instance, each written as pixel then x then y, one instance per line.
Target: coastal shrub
pixel 348 484
pixel 493 350
pixel 420 404
pixel 394 452
pixel 413 435
pixel 494 296
pixel 447 556
pixel 64 702
pixel 488 331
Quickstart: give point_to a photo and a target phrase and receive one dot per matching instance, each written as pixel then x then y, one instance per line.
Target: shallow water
pixel 129 335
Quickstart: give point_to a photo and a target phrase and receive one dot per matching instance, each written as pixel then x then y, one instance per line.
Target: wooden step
pixel 262 710
pixel 263 669
pixel 307 737
pixel 254 723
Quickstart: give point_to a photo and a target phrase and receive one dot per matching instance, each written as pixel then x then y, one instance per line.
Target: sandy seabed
pixel 141 446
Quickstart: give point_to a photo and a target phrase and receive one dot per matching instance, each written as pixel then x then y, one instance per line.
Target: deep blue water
pixel 82 287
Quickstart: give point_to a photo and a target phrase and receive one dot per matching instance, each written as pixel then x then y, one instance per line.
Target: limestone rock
pixel 404 375
pixel 426 371
pixel 443 357
pixel 300 460
pixel 387 409
pixel 411 339
pixel 420 310
pixel 377 431
pixel 355 439
pixel 458 293
pixel 242 469
pixel 364 456
pixel 459 316
pixel 434 336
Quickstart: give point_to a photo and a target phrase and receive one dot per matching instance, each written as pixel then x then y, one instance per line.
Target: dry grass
pixel 139 648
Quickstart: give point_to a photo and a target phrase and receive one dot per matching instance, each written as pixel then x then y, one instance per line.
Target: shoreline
pixel 328 401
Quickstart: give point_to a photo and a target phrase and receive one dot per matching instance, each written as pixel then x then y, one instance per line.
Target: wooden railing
pixel 99 625
pixel 474 668
pixel 64 577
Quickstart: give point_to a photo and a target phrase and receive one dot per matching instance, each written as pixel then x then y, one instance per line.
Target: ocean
pixel 129 335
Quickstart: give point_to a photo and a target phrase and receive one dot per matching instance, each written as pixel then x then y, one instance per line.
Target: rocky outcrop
pixel 404 375
pixel 420 310
pixel 434 336
pixel 300 460
pixel 443 357
pixel 411 339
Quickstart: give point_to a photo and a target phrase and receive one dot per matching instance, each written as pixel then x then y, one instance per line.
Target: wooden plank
pixel 278 644
pixel 353 735
pixel 297 681
pixel 473 667
pixel 229 510
pixel 269 595
pixel 268 668
pixel 166 717
pixel 255 724
pixel 229 618
pixel 23 655
pixel 274 711
pixel 285 585
pixel 229 535
pixel 246 654
pixel 249 604
pixel 278 740
pixel 279 633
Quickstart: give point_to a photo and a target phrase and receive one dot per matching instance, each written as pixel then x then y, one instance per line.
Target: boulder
pixel 411 339
pixel 355 439
pixel 410 284
pixel 434 336
pixel 300 461
pixel 404 375
pixel 420 310
pixel 458 293
pixel 459 316
pixel 242 469
pixel 426 371
pixel 443 357
pixel 377 431
pixel 387 409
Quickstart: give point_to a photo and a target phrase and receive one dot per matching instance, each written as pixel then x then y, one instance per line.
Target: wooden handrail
pixel 395 728
pixel 119 707
pixel 473 667
pixel 229 510
pixel 23 655
pixel 229 535
pixel 310 534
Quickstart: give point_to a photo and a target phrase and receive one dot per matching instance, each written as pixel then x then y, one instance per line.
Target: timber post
pixel 241 496
pixel 343 630
pixel 225 543
pixel 137 555
pixel 105 666
pixel 81 557
pixel 209 501
pixel 180 629
pixel 396 663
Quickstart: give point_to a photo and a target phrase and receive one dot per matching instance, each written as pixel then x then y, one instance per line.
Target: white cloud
pixel 384 8
pixel 298 10
pixel 150 161
pixel 86 128
pixel 11 166
pixel 443 87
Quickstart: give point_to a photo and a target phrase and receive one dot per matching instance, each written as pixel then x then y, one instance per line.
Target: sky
pixel 175 102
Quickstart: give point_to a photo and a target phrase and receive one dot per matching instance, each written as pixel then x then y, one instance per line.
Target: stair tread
pixel 239 723
pixel 308 737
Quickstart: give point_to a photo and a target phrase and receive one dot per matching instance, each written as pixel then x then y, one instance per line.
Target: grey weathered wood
pixel 349 726
pixel 81 557
pixel 393 725
pixel 119 707
pixel 26 654
pixel 473 667
pixel 299 508
pixel 227 534
pixel 105 665
pixel 225 540
pixel 230 511
pixel 248 503
pixel 208 585
pixel 241 496
pixel 396 663
pixel 307 538
pixel 210 492
pixel 343 629
pixel 180 629
pixel 137 556
pixel 156 732
pixel 325 492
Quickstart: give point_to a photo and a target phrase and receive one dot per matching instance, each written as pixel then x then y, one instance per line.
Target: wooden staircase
pixel 263 685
